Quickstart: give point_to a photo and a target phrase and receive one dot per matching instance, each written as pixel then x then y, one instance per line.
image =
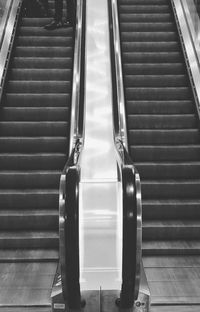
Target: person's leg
pixel 43 8
pixel 58 10
pixel 57 22
pixel 70 12
pixel 45 5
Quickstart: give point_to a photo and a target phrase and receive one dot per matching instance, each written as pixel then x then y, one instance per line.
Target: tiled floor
pixel 26 284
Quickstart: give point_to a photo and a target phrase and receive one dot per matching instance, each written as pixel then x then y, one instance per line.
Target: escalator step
pixel 168 137
pixel 165 209
pixel 152 57
pixel 40 31
pixel 162 121
pixel 157 94
pixel 145 17
pixel 40 74
pixel 28 239
pixel 149 36
pixel 43 52
pixel 29 179
pixel 34 161
pixel 46 41
pixel 160 107
pixel 35 21
pixel 147 27
pixel 34 114
pixel 167 170
pixel 168 229
pixel 155 80
pixel 37 100
pixel 165 152
pixel 144 8
pixel 38 87
pixel 164 189
pixel 27 255
pixel 167 248
pixel 154 69
pixel 29 199
pixel 42 62
pixel 144 2
pixel 34 220
pixel 170 46
pixel 33 144
pixel 30 128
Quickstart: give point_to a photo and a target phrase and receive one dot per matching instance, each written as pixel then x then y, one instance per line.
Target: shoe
pixel 53 25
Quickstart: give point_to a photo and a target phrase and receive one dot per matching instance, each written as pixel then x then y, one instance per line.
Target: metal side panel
pixel 4 13
pixel 190 53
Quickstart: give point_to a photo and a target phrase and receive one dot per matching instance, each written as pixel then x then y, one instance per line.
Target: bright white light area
pixel 98 158
pixel 100 232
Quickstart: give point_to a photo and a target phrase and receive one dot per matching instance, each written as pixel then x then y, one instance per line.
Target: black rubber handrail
pixel 132 229
pixel 69 229
pixel 131 187
pixel 69 181
pixel 129 261
pixel 78 86
pixel 72 238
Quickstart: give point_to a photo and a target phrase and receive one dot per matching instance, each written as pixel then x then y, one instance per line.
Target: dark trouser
pixel 45 4
pixel 59 10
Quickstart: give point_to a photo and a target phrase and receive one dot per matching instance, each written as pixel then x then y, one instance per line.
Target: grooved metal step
pixel 42 62
pixel 34 138
pixel 38 87
pixel 37 100
pixel 41 51
pixel 40 74
pixel 160 107
pixel 32 161
pixel 162 123
pixel 35 114
pixel 178 121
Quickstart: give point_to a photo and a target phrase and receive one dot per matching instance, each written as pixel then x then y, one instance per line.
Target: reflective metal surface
pixel 191 56
pixel 120 89
pixel 100 191
pixel 3 4
pixel 6 43
pixel 193 20
pixel 76 101
pixel 4 14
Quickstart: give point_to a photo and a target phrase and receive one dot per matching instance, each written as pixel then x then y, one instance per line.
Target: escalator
pixel 34 134
pixel 34 145
pixel 164 143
